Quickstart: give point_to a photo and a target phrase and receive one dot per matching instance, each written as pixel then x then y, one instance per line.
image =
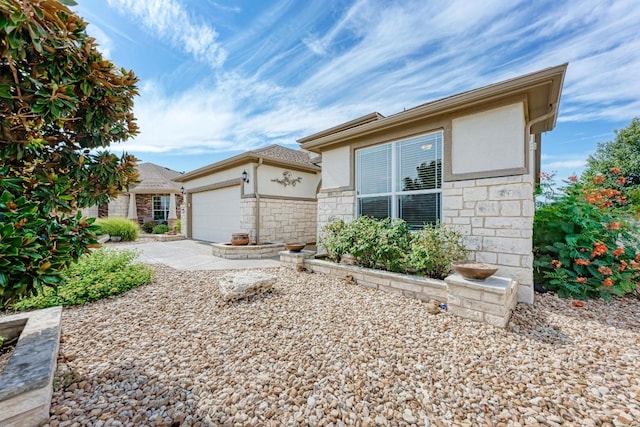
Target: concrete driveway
pixel 190 255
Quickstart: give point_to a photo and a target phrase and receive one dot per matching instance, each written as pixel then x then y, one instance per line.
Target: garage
pixel 215 214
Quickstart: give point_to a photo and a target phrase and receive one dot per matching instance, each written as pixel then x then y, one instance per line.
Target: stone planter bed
pixel 489 301
pixel 229 251
pixel 320 350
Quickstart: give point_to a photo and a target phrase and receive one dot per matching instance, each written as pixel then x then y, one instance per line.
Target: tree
pixel 623 154
pixel 61 105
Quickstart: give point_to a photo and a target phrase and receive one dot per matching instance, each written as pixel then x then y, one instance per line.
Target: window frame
pixel 163 210
pixel 396 194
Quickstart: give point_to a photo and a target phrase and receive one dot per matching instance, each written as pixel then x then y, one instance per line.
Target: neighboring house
pixel 470 160
pixel 269 193
pixel 156 197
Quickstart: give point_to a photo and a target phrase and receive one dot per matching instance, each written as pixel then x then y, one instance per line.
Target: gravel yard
pixel 322 351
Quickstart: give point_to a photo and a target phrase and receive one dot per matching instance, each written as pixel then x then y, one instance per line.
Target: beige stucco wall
pixel 220 176
pixel 336 168
pixel 490 140
pixel 305 188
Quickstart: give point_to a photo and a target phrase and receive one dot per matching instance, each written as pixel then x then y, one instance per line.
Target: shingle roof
pixel 283 153
pixel 155 178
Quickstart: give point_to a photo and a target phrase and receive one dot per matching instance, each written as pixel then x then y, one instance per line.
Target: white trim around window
pixel 401 179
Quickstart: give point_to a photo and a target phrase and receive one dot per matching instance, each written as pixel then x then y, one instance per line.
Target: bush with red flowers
pixel 586 239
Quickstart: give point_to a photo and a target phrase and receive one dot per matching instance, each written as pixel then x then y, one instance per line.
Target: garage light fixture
pixel 182 190
pixel 245 177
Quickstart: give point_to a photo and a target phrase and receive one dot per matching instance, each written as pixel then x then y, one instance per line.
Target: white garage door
pixel 215 214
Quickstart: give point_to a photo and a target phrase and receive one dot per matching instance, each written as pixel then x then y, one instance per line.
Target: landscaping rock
pixel 242 284
pixel 323 351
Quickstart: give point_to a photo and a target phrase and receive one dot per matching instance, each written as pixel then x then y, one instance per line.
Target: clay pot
pixel 240 239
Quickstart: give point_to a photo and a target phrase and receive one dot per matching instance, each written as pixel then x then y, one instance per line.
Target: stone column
pixel 133 210
pixel 173 213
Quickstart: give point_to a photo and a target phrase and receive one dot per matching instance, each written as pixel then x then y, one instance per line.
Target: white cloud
pixel 105 44
pixel 169 20
pixel 380 56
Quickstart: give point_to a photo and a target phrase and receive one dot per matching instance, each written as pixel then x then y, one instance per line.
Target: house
pixel 269 193
pixel 469 160
pixel 156 197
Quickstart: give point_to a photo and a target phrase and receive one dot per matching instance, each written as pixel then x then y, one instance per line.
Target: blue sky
pixel 221 77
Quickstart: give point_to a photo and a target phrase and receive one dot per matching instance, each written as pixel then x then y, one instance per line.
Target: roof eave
pixel 243 158
pixel 552 77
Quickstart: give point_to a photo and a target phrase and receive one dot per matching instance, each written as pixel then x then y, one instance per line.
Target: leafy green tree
pixel 61 104
pixel 623 154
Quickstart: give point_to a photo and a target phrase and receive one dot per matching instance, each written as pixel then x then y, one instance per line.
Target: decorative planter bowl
pixel 294 247
pixel 474 270
pixel 240 239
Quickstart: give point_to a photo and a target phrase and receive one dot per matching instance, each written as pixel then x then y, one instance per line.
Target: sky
pixel 221 77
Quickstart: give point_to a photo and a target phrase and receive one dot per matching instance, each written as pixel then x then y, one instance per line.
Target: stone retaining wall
pixel 229 251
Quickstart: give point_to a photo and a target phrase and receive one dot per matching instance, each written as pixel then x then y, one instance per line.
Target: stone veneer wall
pixel 333 205
pixel 496 216
pixel 281 220
pixel 119 207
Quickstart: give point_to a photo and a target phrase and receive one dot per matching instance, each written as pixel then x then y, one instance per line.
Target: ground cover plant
pixel 160 229
pixel 122 227
pixel 100 274
pixel 388 244
pixel 62 104
pixel 586 238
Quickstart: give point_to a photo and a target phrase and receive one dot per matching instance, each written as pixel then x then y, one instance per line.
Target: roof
pixel 278 152
pixel 541 88
pixel 274 154
pixel 155 179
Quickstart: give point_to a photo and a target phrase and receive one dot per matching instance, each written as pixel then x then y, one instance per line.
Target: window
pixel 160 208
pixel 401 179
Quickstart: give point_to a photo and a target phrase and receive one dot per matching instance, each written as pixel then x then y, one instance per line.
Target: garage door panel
pixel 215 214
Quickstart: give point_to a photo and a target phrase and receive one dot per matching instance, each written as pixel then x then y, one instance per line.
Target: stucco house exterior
pixel 269 193
pixel 470 160
pixel 156 197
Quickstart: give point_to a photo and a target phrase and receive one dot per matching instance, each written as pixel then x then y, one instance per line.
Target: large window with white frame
pixel 401 179
pixel 160 208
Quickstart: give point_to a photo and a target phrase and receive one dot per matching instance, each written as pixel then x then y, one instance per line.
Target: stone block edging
pixel 26 384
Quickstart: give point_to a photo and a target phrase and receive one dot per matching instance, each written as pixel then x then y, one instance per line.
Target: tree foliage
pixel 61 105
pixel 622 153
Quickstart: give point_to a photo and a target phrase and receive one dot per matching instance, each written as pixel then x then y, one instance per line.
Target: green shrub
pixel 94 276
pixel 122 227
pixel 585 240
pixel 178 226
pixel 373 243
pixel 148 226
pixel 433 249
pixel 63 104
pixel 389 245
pixel 160 229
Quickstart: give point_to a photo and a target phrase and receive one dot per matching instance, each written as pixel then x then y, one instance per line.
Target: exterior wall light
pixel 245 177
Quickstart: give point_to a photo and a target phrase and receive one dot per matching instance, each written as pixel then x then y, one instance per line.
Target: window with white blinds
pixel 401 179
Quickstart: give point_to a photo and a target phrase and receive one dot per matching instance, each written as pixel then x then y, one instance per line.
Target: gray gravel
pixel 320 351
